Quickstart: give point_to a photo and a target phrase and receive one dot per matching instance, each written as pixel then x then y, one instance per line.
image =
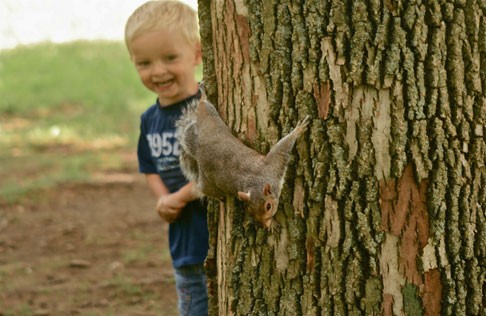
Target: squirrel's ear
pixel 244 196
pixel 267 189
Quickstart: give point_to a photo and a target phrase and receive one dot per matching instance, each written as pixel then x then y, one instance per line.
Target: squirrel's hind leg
pixel 281 150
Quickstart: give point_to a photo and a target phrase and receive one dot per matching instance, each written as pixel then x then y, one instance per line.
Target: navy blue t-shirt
pixel 158 152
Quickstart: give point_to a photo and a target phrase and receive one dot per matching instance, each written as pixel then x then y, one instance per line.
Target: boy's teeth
pixel 161 84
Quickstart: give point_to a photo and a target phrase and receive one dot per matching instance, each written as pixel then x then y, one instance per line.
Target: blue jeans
pixel 192 290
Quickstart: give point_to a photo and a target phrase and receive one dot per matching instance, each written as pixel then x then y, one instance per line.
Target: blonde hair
pixel 164 14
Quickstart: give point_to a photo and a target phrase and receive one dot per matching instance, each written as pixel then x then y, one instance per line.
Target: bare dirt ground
pixel 87 249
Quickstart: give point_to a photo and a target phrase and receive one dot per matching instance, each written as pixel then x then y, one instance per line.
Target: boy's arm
pixel 187 193
pixel 156 185
pixel 170 205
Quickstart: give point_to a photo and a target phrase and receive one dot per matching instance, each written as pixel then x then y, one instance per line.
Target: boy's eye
pixel 171 57
pixel 142 63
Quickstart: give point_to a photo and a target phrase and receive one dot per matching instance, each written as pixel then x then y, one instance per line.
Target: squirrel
pixel 221 165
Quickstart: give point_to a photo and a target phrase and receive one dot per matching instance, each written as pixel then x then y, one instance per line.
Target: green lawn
pixel 66 112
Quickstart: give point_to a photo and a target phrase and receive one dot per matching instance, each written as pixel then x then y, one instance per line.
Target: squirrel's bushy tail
pixel 187 135
pixel 187 128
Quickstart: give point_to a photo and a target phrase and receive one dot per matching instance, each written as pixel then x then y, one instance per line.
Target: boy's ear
pixel 198 53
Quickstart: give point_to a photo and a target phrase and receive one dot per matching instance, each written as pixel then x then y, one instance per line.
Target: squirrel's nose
pixel 268 222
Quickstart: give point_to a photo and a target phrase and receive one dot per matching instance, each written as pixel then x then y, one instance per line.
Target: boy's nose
pixel 158 68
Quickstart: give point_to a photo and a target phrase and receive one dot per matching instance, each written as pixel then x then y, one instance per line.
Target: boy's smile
pixel 166 64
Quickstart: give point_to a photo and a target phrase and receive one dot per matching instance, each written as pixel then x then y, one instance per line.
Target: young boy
pixel 163 40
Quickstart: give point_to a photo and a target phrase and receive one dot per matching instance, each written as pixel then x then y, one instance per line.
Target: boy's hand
pixel 169 207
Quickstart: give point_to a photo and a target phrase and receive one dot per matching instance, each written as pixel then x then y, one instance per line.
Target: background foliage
pixel 67 111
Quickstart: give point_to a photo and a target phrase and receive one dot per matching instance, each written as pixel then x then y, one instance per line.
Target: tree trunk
pixel 383 207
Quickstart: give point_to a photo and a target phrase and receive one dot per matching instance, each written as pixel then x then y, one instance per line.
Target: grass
pixel 23 310
pixel 66 111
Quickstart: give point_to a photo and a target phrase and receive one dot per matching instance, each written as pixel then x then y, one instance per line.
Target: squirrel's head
pixel 262 204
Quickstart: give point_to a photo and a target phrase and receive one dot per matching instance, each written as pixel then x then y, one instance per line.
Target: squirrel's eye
pixel 268 206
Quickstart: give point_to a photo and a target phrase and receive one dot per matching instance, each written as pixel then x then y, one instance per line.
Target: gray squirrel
pixel 221 165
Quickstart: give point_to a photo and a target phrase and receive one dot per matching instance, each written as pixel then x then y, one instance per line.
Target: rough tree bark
pixel 383 209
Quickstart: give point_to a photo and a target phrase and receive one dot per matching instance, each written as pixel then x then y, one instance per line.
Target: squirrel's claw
pixel 302 125
pixel 305 121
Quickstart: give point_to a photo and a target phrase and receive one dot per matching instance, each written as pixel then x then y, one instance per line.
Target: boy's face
pixel 166 64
